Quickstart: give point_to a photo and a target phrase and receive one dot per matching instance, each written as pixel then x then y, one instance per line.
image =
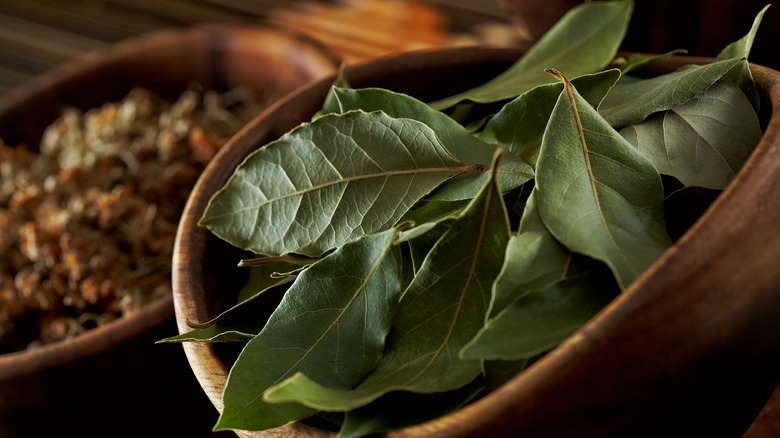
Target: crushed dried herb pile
pixel 87 220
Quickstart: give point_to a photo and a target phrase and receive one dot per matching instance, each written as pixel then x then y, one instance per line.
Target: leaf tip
pixel 200 325
pixel 557 75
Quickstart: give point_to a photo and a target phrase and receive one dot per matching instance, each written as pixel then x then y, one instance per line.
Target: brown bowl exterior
pixel 114 375
pixel 692 348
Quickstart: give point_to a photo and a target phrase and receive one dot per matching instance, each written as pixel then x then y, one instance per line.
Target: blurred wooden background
pixel 37 35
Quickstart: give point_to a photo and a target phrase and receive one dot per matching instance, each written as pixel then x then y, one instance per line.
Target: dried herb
pixel 448 255
pixel 88 217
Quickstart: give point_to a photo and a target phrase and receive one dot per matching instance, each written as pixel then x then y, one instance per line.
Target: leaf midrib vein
pixel 591 176
pixel 307 351
pixel 464 290
pixel 338 318
pixel 346 180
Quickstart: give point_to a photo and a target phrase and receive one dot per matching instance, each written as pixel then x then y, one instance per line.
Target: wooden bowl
pixel 691 349
pixel 113 374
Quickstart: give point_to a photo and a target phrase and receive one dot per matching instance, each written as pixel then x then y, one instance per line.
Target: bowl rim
pixel 153 314
pixel 211 373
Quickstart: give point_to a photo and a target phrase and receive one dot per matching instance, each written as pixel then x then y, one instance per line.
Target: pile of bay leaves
pixel 419 257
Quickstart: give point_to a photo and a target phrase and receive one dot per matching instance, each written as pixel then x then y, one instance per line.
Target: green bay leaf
pixel 244 320
pixel 457 140
pixel 520 124
pixel 442 309
pixel 218 332
pixel 583 41
pixel 422 238
pixel 540 320
pixel 331 323
pixel 596 193
pixel 329 182
pixel 630 103
pixel 534 259
pixel 741 75
pixel 703 142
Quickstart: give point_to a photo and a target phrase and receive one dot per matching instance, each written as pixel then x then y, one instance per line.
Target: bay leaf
pixel 583 41
pixel 520 124
pixel 331 323
pixel 277 282
pixel 597 194
pixel 630 103
pixel 422 238
pixel 741 75
pixel 213 333
pixel 456 139
pixel 533 259
pixel 540 320
pixel 261 280
pixel 292 260
pixel 703 142
pixel 443 308
pixel 244 320
pixel 329 182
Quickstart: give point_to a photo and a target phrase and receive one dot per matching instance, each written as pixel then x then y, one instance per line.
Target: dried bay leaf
pixel 459 142
pixel 422 238
pixel 328 182
pixel 533 259
pixel 741 49
pixel 331 323
pixel 443 308
pixel 536 304
pixel 596 193
pixel 540 320
pixel 520 124
pixel 218 332
pixel 630 103
pixel 583 41
pixel 703 142
pixel 242 321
